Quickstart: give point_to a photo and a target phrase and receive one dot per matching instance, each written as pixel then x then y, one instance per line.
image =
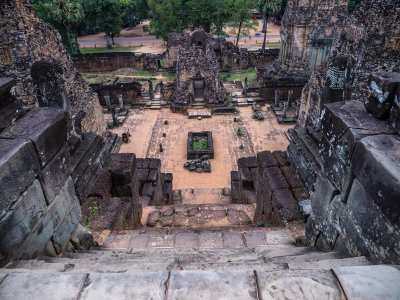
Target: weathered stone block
pixel 81 238
pixel 324 193
pixel 148 190
pixel 234 175
pixel 110 215
pixel 245 178
pixel 167 193
pixel 291 177
pixel 275 178
pixel 154 163
pixel 153 175
pixel 376 164
pixel 395 112
pixel 304 156
pixel 63 232
pixel 235 191
pixel 287 206
pixel 21 219
pixel 248 162
pixel 383 87
pixel 166 177
pixel 281 159
pixel 122 167
pixel 86 163
pixel 338 117
pixel 142 174
pixel 56 172
pixel 374 228
pixel 300 194
pixel 46 127
pixel 55 214
pixel 336 168
pixel 102 186
pixel 266 159
pixel 19 165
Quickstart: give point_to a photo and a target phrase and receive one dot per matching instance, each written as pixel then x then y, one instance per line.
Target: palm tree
pixel 268 8
pixel 67 13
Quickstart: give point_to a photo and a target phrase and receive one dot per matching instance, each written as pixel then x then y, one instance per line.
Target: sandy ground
pixel 150 44
pixel 147 128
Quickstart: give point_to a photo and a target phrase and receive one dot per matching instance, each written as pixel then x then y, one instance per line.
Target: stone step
pixel 191 260
pixel 194 216
pixel 360 282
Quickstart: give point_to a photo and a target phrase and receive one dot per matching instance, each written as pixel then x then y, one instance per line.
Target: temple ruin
pixel 282 183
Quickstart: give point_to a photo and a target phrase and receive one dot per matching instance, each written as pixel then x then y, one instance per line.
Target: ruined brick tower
pixel 309 28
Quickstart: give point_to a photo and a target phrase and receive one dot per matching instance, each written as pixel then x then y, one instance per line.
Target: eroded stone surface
pixel 302 285
pixel 130 285
pixel 369 282
pixel 212 285
pixel 42 286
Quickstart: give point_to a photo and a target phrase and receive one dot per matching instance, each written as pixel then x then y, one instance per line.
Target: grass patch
pixel 92 212
pixel 251 75
pixel 105 50
pixel 199 144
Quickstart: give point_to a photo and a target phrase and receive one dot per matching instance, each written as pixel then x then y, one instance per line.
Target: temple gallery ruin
pixel 281 184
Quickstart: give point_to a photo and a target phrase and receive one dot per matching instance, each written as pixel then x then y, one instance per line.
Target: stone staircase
pixel 228 263
pixel 155 103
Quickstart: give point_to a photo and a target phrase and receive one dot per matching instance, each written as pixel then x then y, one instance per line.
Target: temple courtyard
pixel 148 126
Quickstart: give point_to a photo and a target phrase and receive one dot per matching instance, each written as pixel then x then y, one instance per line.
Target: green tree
pixel 166 16
pixel 242 17
pixel 133 12
pixel 61 13
pixel 211 16
pixel 268 8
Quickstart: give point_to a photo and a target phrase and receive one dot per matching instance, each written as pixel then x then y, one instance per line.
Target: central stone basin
pixel 199 144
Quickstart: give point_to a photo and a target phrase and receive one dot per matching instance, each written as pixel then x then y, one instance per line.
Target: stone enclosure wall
pixel 108 62
pixel 26 39
pixel 131 92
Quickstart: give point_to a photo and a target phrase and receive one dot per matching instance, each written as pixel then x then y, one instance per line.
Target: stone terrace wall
pixel 44 174
pixel 368 43
pixel 269 181
pixel 347 158
pixel 353 169
pixel 26 39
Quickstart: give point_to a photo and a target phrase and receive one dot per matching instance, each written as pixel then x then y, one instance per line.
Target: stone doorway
pixel 198 90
